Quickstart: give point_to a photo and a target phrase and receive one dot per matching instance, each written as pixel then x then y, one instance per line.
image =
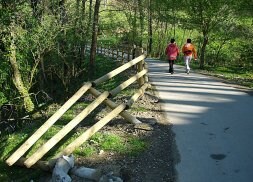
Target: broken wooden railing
pixel 140 77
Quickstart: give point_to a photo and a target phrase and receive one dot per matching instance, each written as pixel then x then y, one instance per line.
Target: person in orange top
pixel 189 51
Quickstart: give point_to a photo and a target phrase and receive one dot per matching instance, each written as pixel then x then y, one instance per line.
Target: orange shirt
pixel 189 49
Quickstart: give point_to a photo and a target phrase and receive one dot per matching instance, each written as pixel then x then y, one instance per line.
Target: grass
pixel 110 142
pixel 234 74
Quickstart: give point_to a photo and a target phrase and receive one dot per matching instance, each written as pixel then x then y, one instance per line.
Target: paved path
pixel 212 122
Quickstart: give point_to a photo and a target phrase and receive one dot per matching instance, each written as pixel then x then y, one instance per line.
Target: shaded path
pixel 213 124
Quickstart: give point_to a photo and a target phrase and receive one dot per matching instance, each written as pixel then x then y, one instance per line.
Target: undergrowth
pixel 108 142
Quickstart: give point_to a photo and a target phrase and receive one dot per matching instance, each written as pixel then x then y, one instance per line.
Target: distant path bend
pixel 212 122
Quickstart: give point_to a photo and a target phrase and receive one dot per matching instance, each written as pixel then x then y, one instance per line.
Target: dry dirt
pixel 156 163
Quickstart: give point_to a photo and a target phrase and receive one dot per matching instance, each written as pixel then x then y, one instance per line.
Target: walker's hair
pixel 189 40
pixel 172 40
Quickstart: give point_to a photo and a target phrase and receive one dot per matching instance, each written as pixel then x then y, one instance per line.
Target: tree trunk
pixel 77 17
pixel 90 15
pixel 135 33
pixel 174 23
pixel 150 41
pixel 202 53
pixel 82 53
pixel 140 5
pixel 63 12
pixel 34 5
pixel 17 79
pixel 94 37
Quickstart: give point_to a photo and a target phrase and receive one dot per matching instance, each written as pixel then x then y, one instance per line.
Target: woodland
pixel 44 57
pixel 43 42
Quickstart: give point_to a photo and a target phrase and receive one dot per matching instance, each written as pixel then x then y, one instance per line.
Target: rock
pixel 87 173
pixel 101 152
pixel 143 126
pixel 110 178
pixel 61 169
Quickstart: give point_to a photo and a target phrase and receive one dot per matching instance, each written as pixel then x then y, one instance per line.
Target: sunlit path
pixel 212 122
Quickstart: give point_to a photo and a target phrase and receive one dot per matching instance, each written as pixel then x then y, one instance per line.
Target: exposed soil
pixel 154 164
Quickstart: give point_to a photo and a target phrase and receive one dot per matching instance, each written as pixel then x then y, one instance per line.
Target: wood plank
pixel 113 105
pixel 141 80
pixel 64 131
pixel 128 82
pixel 32 139
pixel 92 130
pixel 118 70
pixel 139 93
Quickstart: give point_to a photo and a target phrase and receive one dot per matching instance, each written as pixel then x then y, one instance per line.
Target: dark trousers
pixel 171 62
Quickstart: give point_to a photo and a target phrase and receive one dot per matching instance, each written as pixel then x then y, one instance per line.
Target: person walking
pixel 188 51
pixel 172 52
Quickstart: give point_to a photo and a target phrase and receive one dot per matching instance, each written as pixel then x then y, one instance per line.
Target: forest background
pixel 42 46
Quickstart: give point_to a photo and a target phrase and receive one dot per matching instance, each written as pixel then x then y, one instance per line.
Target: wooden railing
pixel 120 54
pixel 121 109
pixel 123 54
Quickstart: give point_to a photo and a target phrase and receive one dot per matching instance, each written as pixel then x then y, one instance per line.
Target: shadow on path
pixel 212 122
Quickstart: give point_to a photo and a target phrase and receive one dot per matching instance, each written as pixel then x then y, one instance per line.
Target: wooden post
pixel 89 132
pixel 146 76
pixel 113 53
pixel 64 131
pixel 128 82
pixel 141 80
pixel 117 54
pixel 122 55
pixel 109 51
pixel 128 54
pixel 140 66
pixel 30 141
pixel 112 105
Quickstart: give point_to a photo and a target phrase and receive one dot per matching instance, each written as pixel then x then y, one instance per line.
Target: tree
pixel 17 77
pixel 142 16
pixel 150 30
pixel 206 16
pixel 94 36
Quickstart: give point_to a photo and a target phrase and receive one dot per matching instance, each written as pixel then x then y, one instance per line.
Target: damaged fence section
pixel 63 162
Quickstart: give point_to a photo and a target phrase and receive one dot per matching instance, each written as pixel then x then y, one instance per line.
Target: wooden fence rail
pixel 141 77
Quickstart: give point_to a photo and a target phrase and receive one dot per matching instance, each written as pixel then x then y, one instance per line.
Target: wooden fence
pixel 121 109
pixel 120 54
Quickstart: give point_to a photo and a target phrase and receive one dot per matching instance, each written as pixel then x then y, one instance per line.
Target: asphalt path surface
pixel 212 122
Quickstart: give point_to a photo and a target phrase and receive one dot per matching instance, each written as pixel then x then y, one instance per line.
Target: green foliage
pixel 3 80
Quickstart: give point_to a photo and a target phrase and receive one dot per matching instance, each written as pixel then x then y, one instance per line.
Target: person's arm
pixel 183 49
pixel 194 53
pixel 166 50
